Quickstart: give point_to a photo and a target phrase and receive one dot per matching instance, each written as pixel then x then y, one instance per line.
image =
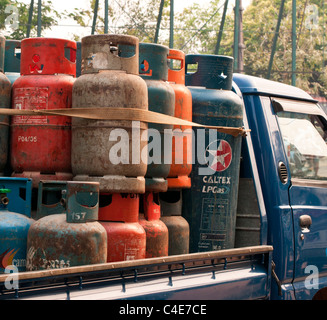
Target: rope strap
pixel 129 114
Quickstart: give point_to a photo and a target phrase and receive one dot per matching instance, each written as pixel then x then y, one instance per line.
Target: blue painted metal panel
pixel 249 169
pixel 292 248
pixel 269 151
pixel 268 147
pixel 311 248
pixel 259 86
pixel 307 198
pixel 306 290
pixel 243 284
pixel 237 284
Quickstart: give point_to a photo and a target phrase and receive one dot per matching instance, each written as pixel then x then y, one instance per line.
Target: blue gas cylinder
pixel 15 221
pixel 209 205
pixel 12 60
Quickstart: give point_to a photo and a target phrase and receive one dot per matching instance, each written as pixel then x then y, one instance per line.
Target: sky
pixel 67 30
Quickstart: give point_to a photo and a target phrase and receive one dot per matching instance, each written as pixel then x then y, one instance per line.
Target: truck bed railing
pixel 65 280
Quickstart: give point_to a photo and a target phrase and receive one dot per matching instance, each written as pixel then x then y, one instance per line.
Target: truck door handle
pixel 305 223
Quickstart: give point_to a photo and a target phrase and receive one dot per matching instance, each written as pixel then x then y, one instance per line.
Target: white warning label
pixel 28 99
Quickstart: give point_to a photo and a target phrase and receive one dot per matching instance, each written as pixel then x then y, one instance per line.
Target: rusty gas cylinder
pixel 5 96
pixel 156 230
pixel 181 165
pixel 72 238
pixel 108 151
pixel 119 215
pixel 178 227
pixel 161 96
pixel 40 144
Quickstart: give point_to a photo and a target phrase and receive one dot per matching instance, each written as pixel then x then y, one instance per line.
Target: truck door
pixel 303 128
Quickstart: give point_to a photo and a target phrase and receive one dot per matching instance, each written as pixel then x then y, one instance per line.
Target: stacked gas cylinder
pixel 95 189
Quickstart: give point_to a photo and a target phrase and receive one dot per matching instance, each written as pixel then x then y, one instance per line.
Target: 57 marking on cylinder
pixel 78 216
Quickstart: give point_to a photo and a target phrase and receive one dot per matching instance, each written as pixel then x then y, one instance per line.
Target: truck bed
pixel 241 273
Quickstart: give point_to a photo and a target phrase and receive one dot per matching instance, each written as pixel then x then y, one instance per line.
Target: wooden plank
pixel 246 251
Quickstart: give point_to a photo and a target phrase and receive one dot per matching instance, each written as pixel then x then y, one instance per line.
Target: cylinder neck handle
pixel 153 61
pixel 110 52
pixel 151 206
pixel 176 75
pixel 209 71
pixel 119 207
pixel 48 56
pixel 82 201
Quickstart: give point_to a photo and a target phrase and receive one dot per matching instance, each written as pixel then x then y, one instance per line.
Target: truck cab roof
pixel 259 86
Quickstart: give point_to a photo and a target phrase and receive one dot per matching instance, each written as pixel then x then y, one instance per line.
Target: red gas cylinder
pixel 41 145
pixel 181 166
pixel 156 230
pixel 119 214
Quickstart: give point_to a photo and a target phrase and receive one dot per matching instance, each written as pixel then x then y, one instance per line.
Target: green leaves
pixel 196 30
pixel 260 21
pixel 49 18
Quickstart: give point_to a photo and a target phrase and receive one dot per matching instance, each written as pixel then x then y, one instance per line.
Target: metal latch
pixel 279 283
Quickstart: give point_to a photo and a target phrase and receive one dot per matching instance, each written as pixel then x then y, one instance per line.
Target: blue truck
pixel 280 248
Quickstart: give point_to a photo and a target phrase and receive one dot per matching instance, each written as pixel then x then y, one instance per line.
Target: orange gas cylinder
pixel 119 215
pixel 41 145
pixel 156 230
pixel 181 166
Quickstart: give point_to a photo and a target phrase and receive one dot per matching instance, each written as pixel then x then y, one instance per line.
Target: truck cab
pixel 288 135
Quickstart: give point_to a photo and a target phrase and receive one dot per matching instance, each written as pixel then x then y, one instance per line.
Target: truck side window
pixel 304 137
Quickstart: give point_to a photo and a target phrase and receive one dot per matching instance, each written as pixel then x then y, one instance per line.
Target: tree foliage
pixel 17 29
pixel 196 30
pixel 260 20
pixel 137 17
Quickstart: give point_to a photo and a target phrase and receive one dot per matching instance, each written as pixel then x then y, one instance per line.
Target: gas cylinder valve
pixel 3 196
